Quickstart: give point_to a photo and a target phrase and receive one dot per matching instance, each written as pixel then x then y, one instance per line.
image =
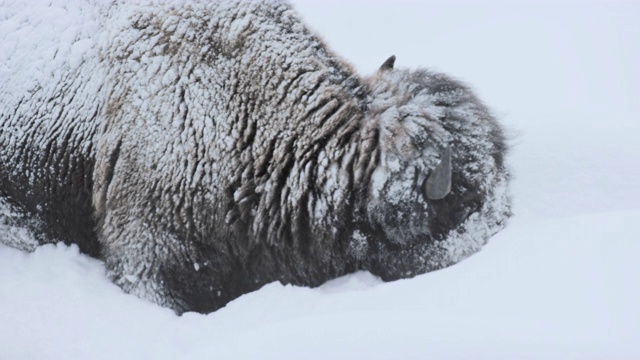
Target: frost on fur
pixel 206 149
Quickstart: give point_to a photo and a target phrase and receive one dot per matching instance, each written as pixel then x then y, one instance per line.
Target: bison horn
pixel 438 185
pixel 388 65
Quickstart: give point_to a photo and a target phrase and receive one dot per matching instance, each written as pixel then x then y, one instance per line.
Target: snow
pixel 560 282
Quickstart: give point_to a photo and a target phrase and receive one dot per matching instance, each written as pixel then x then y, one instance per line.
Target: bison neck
pixel 289 193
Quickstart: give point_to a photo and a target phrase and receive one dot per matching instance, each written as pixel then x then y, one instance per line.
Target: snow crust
pixel 560 282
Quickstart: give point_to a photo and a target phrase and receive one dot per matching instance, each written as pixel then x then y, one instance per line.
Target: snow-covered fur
pixel 204 149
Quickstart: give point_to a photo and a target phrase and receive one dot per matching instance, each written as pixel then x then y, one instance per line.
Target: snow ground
pixel 559 283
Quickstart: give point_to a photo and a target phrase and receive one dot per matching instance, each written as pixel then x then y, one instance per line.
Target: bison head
pixel 438 190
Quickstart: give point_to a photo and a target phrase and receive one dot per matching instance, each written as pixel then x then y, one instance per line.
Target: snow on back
pixel 64 35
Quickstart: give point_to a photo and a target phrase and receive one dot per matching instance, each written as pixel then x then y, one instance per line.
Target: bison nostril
pixel 461 216
pixel 452 215
pixel 468 209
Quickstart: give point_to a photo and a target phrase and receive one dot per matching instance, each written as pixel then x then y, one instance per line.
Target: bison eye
pixel 438 184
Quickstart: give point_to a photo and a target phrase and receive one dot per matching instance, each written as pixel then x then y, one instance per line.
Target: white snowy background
pixel 561 282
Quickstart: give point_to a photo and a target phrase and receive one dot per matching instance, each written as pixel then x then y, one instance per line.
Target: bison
pixel 205 148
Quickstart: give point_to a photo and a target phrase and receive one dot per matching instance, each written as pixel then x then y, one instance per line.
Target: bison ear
pixel 388 65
